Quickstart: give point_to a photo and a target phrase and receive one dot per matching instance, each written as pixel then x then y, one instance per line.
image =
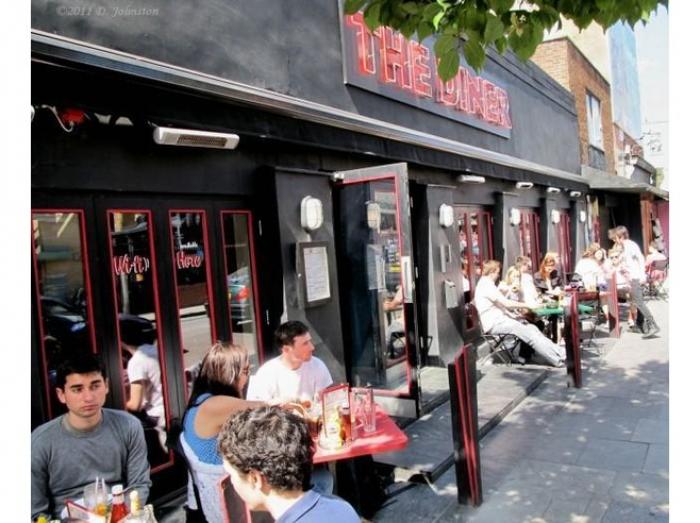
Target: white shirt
pixel 276 381
pixel 633 259
pixel 489 302
pixel 144 366
pixel 590 271
pixel 528 289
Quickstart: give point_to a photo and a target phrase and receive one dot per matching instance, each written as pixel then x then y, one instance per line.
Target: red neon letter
pixel 364 44
pixel 503 108
pixel 448 92
pixel 421 70
pixel 490 100
pixel 476 106
pixel 393 57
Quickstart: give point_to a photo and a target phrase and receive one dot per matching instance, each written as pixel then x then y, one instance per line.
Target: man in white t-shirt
pixel 493 306
pixel 633 262
pixel 296 374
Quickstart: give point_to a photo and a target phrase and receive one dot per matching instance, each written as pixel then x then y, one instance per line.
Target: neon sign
pixel 387 63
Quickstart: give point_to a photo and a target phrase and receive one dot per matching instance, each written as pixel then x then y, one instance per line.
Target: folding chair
pixel 657 272
pixel 597 316
pixel 501 346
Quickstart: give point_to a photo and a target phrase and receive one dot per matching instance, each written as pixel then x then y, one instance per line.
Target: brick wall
pixel 562 60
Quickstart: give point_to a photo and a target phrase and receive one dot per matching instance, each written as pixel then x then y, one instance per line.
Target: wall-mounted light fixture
pixel 470 178
pixel 194 138
pixel 582 216
pixel 575 194
pixel 515 216
pixel 374 215
pixel 523 185
pixel 556 216
pixel 553 190
pixel 446 215
pixel 311 213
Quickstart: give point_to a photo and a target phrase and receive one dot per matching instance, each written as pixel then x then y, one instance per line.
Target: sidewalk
pixel 596 454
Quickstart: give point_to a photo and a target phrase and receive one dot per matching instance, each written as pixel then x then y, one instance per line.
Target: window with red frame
pixel 63 292
pixel 475 242
pixel 529 236
pixel 564 241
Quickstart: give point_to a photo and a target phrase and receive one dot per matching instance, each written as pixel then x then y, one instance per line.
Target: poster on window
pixel 315 273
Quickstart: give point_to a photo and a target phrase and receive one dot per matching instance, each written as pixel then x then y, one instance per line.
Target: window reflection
pixel 475 245
pixel 191 266
pixel 63 300
pixel 239 282
pixel 529 236
pixel 133 274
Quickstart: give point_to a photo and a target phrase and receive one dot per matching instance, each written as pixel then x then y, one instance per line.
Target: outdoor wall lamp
pixel 470 178
pixel 194 138
pixel 446 215
pixel 574 194
pixel 553 190
pixel 374 215
pixel 582 216
pixel 311 213
pixel 556 216
pixel 523 185
pixel 515 216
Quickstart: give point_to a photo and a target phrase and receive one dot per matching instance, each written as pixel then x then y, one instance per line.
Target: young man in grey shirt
pixel 70 451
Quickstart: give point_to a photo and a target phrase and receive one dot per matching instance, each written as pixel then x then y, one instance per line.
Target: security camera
pixel 524 185
pixel 553 190
pixel 575 194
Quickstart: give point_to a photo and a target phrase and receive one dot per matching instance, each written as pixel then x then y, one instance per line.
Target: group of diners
pixel 506 306
pixel 247 432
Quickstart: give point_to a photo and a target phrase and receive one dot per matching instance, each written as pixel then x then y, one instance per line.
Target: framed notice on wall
pixel 314 272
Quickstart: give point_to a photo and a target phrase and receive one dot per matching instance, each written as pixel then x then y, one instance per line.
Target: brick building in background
pixel 563 61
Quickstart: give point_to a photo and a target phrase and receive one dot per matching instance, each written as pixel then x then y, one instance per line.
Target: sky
pixel 653 66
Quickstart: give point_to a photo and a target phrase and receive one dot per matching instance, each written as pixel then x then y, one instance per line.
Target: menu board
pixel 313 269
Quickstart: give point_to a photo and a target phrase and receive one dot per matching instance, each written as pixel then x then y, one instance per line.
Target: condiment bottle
pixel 135 511
pixel 119 508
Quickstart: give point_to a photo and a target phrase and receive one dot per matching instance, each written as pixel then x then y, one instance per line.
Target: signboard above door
pixel 386 63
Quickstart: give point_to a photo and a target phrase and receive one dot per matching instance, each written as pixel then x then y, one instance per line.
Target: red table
pixel 388 437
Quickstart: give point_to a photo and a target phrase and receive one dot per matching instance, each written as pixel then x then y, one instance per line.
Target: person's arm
pixel 135 396
pixel 138 470
pixel 498 298
pixel 40 481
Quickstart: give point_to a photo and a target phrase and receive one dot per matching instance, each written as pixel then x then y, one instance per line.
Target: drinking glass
pixel 95 497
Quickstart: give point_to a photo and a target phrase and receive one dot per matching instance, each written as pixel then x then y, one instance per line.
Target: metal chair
pixel 501 346
pixel 654 286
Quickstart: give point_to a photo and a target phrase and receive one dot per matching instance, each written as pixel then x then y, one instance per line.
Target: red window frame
pixel 157 312
pixel 530 226
pixel 564 237
pixel 210 293
pixel 37 291
pixel 482 217
pixel 253 278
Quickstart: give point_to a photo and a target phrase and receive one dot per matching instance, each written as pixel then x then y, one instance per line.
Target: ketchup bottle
pixel 119 508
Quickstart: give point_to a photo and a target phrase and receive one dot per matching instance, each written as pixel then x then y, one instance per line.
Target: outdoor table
pixel 552 314
pixel 388 437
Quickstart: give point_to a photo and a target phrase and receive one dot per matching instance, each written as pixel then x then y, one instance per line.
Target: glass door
pixel 373 243
pixel 475 244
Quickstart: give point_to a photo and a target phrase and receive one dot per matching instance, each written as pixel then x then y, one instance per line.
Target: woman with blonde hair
pixel 217 393
pixel 547 279
pixel 590 268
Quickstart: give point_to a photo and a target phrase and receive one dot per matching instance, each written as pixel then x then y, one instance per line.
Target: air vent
pixel 194 138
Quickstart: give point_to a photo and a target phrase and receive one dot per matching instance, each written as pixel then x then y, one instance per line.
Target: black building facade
pixel 334 208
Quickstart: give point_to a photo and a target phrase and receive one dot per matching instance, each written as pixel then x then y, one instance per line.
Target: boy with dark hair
pixel 69 451
pixel 268 454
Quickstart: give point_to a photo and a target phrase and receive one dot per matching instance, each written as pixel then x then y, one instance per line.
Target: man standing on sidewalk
pixel 633 260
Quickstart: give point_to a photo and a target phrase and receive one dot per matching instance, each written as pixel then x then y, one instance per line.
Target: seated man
pixel 493 310
pixel 296 374
pixel 268 454
pixel 70 451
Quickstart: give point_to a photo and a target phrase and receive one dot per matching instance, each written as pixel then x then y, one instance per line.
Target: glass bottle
pixel 135 511
pixel 119 508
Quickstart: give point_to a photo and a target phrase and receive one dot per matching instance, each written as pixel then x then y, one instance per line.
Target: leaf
pixel 444 43
pixel 372 16
pixel 501 44
pixel 353 6
pixel 438 17
pixel 448 65
pixel 500 6
pixel 494 28
pixel 475 54
pixel 411 8
pixel 424 30
pixel 430 11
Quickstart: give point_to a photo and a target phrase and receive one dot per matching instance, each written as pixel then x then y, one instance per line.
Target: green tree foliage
pixel 468 27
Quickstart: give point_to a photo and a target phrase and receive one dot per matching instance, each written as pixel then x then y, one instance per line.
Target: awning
pixel 607 182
